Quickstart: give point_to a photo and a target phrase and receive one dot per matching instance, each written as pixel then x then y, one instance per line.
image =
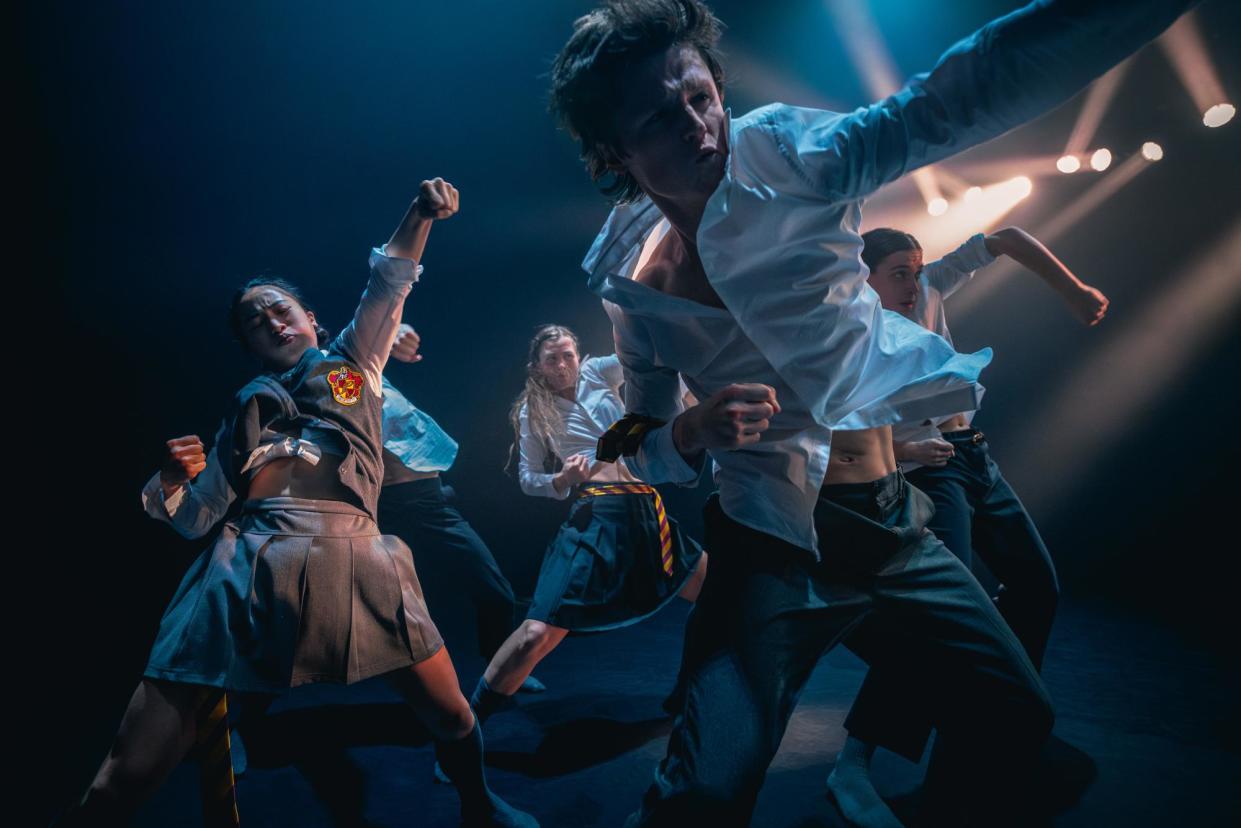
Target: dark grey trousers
pixel 421 513
pixel 976 514
pixel 768 612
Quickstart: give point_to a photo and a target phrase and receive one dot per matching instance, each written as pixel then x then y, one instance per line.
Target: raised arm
pixel 189 492
pixel 1009 72
pixel 1087 304
pixel 369 337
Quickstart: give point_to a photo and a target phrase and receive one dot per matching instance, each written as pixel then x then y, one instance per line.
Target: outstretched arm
pixel 368 339
pixel 1010 71
pixel 1087 304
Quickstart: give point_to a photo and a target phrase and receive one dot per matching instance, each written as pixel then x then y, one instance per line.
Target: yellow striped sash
pixel 215 774
pixel 665 532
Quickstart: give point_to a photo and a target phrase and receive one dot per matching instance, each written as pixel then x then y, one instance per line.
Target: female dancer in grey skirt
pixel 300 586
pixel 618 557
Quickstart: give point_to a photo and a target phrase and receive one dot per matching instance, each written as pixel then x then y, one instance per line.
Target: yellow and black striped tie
pixel 665 531
pixel 215 774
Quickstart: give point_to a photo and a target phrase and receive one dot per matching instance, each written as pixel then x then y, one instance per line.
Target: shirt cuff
pixel 974 253
pixel 659 461
pixel 393 269
pixel 153 500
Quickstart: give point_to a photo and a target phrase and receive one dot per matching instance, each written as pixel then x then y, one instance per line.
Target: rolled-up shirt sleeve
pixel 531 455
pixel 948 274
pixel 1008 72
pixel 368 337
pixel 196 506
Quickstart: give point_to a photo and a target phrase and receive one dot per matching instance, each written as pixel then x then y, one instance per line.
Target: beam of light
pixel 1152 151
pixel 974 294
pixel 873 62
pixel 1187 52
pixel 1101 159
pixel 1035 166
pixel 751 75
pixel 962 218
pixel 937 206
pixel 1219 115
pixel 1068 164
pixel 1098 98
pixel 1116 386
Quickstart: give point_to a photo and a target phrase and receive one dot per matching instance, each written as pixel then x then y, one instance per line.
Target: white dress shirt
pixel 596 406
pixel 195 507
pixel 779 243
pixel 937 281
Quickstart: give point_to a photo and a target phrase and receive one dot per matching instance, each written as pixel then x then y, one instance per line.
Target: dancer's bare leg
pixel 693 584
pixel 158 729
pixel 520 653
pixel 430 688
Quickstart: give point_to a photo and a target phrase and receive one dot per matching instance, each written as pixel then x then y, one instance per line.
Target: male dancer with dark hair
pixel 733 255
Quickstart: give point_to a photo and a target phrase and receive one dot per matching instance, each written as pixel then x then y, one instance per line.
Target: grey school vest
pixel 322 391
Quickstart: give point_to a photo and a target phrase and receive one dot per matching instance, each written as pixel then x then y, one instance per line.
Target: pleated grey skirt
pixel 604 569
pixel 292 592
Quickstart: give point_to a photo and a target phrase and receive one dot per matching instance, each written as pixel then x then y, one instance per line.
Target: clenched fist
pixel 437 199
pixel 733 417
pixel 185 459
pixel 405 346
pixel 1088 305
pixel 577 469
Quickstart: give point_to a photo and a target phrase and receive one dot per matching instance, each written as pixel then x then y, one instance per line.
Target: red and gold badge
pixel 346 385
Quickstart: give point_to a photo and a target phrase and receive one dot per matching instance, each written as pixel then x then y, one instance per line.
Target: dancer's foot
pixel 849 784
pixel 532 685
pixel 462 762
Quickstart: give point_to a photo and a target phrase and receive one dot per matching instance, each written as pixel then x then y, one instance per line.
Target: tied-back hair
pixel 604 44
pixel 284 286
pixel 882 242
pixel 542 417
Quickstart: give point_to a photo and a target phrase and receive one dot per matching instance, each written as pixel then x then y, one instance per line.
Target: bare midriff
pixel 294 477
pixel 860 456
pixel 955 423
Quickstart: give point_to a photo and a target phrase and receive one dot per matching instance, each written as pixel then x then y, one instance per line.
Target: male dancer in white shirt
pixel 732 257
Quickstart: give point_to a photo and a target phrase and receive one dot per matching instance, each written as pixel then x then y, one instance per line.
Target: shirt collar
pixel 621 237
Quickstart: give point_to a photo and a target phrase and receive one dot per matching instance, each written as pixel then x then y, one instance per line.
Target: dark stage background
pixel 183 148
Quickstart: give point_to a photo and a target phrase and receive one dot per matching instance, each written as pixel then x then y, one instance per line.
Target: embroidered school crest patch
pixel 346 385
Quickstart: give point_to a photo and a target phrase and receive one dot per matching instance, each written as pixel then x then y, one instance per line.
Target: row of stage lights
pixel 1099 161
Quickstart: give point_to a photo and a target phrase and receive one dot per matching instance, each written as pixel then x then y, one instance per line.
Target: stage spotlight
pixel 937 206
pixel 1152 151
pixel 973 194
pixel 1219 115
pixel 1069 164
pixel 1101 159
pixel 1022 185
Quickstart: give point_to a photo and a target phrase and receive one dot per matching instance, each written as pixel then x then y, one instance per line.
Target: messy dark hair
pixel 604 44
pixel 882 242
pixel 284 286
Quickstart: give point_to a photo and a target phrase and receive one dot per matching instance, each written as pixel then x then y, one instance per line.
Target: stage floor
pixel 1157 717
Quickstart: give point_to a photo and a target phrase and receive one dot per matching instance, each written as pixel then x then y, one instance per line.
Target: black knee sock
pixel 486 701
pixel 462 762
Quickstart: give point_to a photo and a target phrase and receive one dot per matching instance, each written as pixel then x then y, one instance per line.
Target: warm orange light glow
pixel 1219 115
pixel 1069 164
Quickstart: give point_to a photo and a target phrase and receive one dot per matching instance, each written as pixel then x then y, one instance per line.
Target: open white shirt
pixel 780 245
pixel 937 281
pixel 597 404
